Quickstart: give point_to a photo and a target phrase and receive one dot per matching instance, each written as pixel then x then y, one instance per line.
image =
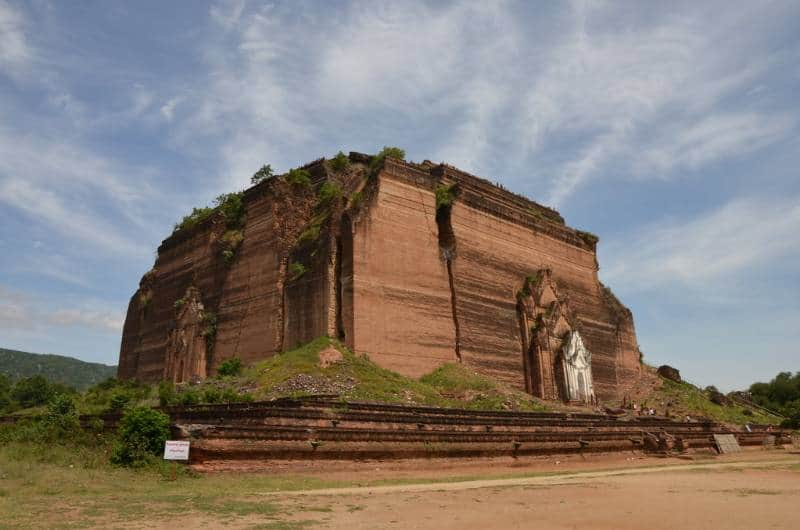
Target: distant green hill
pixel 56 368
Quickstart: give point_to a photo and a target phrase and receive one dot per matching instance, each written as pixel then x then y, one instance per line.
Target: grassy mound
pixel 684 398
pixel 354 377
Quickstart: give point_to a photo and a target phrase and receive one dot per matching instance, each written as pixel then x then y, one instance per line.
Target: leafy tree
pixel 61 423
pixel 265 173
pixel 119 402
pixel 5 384
pixel 781 394
pixel 32 391
pixel 5 393
pixel 141 435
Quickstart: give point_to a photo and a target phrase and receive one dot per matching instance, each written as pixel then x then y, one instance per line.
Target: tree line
pixel 781 394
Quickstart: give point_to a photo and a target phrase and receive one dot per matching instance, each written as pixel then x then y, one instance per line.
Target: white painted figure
pixel 578 370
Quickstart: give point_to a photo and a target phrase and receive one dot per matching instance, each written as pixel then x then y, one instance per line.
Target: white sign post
pixel 176 450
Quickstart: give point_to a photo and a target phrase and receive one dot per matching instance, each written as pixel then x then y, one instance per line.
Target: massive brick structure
pixel 414 264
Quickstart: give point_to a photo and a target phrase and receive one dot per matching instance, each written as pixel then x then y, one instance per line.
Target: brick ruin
pixel 414 264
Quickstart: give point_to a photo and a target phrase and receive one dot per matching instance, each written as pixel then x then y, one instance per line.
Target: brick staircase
pixel 330 429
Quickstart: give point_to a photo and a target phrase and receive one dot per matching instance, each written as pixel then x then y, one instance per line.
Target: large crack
pixel 280 331
pixel 337 287
pixel 447 247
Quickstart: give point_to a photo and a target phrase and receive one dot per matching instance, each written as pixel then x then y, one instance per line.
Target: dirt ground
pixel 749 490
pixel 729 498
pixel 753 490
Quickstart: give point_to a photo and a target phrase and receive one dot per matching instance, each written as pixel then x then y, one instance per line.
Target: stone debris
pixel 309 384
pixel 668 372
pixel 329 356
pixel 720 399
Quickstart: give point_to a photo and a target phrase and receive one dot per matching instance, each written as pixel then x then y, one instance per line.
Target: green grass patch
pixel 451 385
pixel 688 399
pixel 53 486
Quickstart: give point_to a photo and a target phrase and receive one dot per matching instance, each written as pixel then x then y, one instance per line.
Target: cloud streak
pixel 20 311
pixel 15 53
pixel 729 241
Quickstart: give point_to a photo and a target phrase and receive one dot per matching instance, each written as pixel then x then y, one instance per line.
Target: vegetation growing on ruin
pixel 145 297
pixel 538 323
pixel 197 216
pixel 356 198
pixel 340 162
pixel 209 332
pixel 537 214
pixel 590 238
pixel 328 192
pixel 445 195
pixel 387 152
pixel 231 239
pixel 230 367
pixel 310 233
pixel 232 209
pixel 355 377
pixel 684 398
pixel 229 205
pixel 265 173
pixel 298 177
pixel 296 270
pixel 230 242
pixel 531 281
pixel 611 299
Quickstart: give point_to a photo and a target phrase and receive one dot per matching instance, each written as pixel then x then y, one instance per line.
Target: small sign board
pixel 176 450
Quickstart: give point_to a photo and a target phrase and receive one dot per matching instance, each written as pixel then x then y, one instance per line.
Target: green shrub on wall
pixel 340 162
pixel 299 177
pixel 230 367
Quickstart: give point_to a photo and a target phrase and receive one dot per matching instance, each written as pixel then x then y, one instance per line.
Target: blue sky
pixel 669 129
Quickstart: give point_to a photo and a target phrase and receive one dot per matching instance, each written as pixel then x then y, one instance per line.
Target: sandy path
pixel 740 495
pixel 556 479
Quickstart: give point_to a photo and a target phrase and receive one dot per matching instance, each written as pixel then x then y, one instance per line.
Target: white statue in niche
pixel 578 370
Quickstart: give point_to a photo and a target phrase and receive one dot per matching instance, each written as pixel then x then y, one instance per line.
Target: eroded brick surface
pixel 376 267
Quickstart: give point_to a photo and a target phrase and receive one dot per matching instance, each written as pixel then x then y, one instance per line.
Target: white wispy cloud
pixel 645 98
pixel 15 52
pixel 21 311
pixel 729 241
pixel 66 218
pixel 271 94
pixel 68 188
pixel 93 319
pixel 13 309
pixel 719 136
pixel 609 91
